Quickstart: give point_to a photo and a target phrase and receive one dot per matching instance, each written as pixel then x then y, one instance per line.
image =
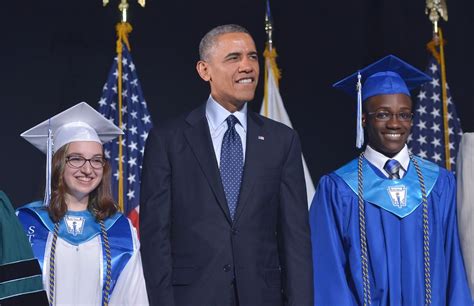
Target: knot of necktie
pixel 393 168
pixel 232 121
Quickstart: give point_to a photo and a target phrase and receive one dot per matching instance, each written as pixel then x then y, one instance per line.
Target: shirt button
pixel 227 268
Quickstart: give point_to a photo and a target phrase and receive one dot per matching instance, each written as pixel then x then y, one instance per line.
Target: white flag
pixel 273 108
pixel 465 205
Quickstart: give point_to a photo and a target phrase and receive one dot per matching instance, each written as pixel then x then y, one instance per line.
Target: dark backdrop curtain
pixel 54 54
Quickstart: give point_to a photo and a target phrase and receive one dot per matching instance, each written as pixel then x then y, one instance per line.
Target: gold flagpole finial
pixel 434 9
pixel 123 7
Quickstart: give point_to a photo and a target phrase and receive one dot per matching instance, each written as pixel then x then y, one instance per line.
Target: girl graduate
pixel 88 252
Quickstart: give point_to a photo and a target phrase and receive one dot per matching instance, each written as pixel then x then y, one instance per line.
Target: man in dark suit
pixel 224 218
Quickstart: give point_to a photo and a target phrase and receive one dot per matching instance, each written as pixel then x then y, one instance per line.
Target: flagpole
pixel 272 105
pixel 268 48
pixel 123 28
pixel 269 26
pixel 445 100
pixel 436 9
pixel 120 98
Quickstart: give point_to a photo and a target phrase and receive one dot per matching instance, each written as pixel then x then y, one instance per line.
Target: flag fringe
pixel 270 56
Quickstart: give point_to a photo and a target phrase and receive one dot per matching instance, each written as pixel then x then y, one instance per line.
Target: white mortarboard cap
pixel 78 123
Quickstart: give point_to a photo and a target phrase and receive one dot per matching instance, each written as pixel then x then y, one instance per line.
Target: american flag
pixel 136 123
pixel 427 136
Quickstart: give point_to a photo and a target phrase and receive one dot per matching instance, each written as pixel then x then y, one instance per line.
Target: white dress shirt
pixel 216 116
pixel 378 159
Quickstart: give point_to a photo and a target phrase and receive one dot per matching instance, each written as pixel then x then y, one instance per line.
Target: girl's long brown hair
pixel 101 202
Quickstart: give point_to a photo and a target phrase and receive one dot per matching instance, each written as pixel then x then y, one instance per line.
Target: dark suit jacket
pixel 191 249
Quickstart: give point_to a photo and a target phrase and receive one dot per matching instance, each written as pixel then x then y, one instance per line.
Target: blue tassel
pixel 360 129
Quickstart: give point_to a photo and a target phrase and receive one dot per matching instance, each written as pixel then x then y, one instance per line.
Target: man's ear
pixel 364 119
pixel 202 68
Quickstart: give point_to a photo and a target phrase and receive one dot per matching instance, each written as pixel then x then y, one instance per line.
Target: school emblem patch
pixel 74 224
pixel 398 195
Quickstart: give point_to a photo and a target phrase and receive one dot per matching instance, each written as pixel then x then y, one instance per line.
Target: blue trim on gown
pixel 37 225
pixel 377 187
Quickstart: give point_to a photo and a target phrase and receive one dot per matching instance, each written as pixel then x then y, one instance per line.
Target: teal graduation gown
pixel 395 243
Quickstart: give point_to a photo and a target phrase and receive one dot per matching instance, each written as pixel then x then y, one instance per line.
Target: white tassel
pixel 49 159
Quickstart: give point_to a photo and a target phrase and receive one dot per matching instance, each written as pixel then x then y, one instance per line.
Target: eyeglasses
pixel 385 116
pixel 79 162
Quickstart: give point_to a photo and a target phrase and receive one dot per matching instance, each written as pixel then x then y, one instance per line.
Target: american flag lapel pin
pixel 261 138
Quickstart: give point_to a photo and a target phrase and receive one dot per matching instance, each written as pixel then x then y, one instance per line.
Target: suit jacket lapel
pixel 199 139
pixel 254 152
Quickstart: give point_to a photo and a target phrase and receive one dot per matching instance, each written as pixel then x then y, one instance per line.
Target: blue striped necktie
pixel 393 169
pixel 231 164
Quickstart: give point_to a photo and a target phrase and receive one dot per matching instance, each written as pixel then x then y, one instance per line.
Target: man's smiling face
pixel 232 70
pixel 389 136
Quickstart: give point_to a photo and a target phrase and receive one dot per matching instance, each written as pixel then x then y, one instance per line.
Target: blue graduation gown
pixel 395 247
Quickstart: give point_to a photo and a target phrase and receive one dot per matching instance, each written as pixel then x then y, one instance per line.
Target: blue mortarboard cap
pixel 389 75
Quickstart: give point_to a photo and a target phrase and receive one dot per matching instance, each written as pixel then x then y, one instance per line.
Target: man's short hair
pixel 209 40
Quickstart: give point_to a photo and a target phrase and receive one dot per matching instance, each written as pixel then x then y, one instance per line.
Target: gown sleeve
pixel 458 292
pixel 330 262
pixel 130 288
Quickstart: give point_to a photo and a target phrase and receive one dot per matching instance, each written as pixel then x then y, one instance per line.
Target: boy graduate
pixel 384 228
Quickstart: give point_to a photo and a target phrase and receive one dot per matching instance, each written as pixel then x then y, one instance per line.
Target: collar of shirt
pixel 378 159
pixel 216 115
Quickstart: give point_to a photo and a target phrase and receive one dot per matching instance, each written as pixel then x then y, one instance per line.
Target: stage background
pixel 54 54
